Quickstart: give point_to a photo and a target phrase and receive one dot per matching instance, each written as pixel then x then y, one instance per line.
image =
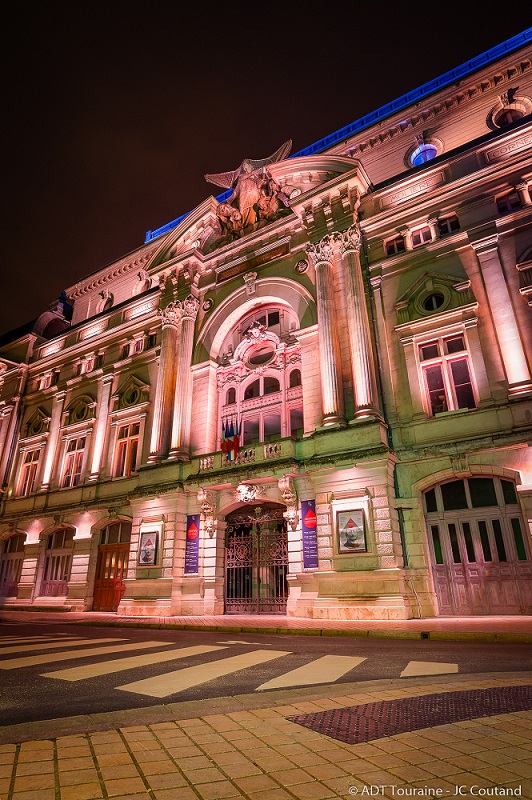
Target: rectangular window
pixel 272 427
pixel 73 462
pixel 448 225
pixel 29 472
pixel 296 421
pixel 446 376
pixel 251 431
pixel 127 444
pixel 508 203
pixel 421 235
pixel 395 246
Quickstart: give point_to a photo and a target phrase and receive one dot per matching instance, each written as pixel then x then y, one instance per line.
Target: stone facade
pixel 365 326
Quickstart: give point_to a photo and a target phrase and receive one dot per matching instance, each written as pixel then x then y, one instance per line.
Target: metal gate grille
pixel 256 562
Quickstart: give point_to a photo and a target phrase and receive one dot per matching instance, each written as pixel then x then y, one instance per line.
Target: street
pixel 51 671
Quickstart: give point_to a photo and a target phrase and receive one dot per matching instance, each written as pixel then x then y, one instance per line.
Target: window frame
pixel 445 359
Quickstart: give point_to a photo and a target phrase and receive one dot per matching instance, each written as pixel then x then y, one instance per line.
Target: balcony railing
pixel 248 455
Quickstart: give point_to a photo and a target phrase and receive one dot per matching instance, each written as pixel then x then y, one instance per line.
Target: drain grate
pixel 355 724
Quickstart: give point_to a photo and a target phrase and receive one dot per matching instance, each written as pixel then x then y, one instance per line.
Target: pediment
pixel 37 423
pixel 81 409
pixel 131 393
pixel 433 293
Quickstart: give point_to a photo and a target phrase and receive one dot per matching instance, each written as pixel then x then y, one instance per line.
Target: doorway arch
pixel 256 560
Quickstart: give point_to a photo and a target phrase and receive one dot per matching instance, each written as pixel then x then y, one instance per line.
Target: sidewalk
pixel 492 628
pixel 251 746
pixel 439 736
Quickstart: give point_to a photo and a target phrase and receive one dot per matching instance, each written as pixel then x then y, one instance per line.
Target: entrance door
pixel 480 558
pixel 256 561
pixel 111 568
pixel 110 573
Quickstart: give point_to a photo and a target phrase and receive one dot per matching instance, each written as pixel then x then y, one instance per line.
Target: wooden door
pixel 110 573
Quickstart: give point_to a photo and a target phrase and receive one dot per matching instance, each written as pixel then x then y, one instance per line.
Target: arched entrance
pixel 111 568
pixel 256 560
pixel 479 551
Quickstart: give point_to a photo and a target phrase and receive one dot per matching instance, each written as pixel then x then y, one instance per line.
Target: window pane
pixel 273 318
pixel 296 421
pixel 519 543
pixel 508 490
pixel 453 495
pixel 253 390
pixel 251 430
pixel 482 492
pixel 430 350
pixel 437 544
pixel 430 501
pixel 484 540
pixel 499 541
pixel 295 378
pixel 454 543
pixel 462 384
pixel 271 385
pixel 455 345
pixel 469 543
pixel 437 398
pixel 272 427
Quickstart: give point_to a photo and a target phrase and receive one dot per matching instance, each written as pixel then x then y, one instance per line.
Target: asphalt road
pixel 50 671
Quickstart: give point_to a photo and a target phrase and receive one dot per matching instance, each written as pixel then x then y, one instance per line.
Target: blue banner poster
pixel 310 538
pixel 192 544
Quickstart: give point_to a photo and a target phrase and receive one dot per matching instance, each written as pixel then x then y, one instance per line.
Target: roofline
pixel 386 110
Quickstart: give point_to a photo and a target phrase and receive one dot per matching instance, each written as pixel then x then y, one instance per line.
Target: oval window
pixel 433 301
pixel 261 355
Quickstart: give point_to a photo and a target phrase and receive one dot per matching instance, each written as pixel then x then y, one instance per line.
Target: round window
pixel 80 412
pixel 131 396
pixel 261 355
pixel 433 301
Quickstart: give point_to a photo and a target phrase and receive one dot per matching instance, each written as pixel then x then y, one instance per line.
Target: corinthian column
pixel 183 387
pixel 322 257
pixel 360 346
pixel 502 312
pixel 164 392
pixel 53 438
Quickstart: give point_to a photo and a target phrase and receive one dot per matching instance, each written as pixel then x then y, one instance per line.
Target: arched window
pixel 11 559
pixel 295 378
pixel 260 357
pixel 57 563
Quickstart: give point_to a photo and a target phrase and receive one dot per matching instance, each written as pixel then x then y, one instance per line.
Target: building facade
pixel 311 395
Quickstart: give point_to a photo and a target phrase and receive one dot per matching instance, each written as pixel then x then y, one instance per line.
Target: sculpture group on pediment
pixel 256 197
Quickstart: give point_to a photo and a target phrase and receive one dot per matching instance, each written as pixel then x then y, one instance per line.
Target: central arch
pixel 256 560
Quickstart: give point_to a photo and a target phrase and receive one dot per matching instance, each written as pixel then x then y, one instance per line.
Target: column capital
pixel 321 252
pixel 171 315
pixel 189 307
pixel 349 241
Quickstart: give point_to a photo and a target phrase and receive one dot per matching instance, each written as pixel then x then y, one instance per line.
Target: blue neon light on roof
pixel 386 110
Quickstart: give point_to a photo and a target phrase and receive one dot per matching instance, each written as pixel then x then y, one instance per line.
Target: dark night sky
pixel 111 117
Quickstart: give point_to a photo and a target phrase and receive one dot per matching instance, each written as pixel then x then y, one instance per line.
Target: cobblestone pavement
pixel 246 747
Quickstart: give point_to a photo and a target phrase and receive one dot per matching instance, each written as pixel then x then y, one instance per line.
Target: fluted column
pixel 503 315
pixel 164 391
pixel 7 431
pixel 53 439
pixel 183 387
pixel 100 427
pixel 322 257
pixel 358 327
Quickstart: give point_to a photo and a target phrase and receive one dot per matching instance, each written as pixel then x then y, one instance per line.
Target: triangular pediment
pixel 432 293
pixel 132 392
pixel 38 423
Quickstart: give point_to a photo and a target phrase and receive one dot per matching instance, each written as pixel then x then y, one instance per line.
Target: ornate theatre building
pixel 311 395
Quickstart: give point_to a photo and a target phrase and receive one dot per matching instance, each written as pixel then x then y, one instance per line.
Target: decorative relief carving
pixel 207 500
pixel 321 252
pixel 190 306
pixel 249 280
pixel 171 315
pixel 249 492
pixel 288 492
pixel 349 240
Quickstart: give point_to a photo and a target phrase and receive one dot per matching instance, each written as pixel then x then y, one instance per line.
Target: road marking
pixel 30 661
pixel 428 668
pixel 119 664
pixel 22 639
pixel 178 681
pixel 24 648
pixel 324 670
pixel 262 644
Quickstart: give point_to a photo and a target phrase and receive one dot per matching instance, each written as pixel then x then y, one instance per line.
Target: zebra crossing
pixel 34 651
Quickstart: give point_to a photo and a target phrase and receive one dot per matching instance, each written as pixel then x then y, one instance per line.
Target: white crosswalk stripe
pixel 30 661
pixel 25 648
pixel 326 669
pixel 5 640
pixel 121 664
pixel 428 668
pixel 178 681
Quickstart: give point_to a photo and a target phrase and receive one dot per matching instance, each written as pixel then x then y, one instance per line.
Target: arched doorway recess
pixel 111 568
pixel 256 560
pixel 479 550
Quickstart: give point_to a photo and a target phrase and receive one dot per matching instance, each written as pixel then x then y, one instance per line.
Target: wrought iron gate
pixel 256 561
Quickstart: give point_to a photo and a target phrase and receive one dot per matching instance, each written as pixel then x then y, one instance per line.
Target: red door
pixel 110 573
